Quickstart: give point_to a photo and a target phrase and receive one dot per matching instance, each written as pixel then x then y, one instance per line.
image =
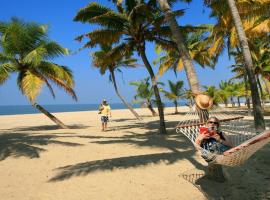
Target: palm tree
pixel 257 109
pixel 252 13
pixel 188 94
pixel 103 61
pixel 175 93
pixel 213 92
pixel 181 46
pixel 27 51
pixel 261 56
pixel 197 45
pixel 130 28
pixel 144 94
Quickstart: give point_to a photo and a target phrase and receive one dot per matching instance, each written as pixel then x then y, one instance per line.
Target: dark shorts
pixel 213 146
pixel 104 119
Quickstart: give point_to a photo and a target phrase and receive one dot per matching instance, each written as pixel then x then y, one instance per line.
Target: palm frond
pixel 5 70
pixel 29 84
pixel 90 11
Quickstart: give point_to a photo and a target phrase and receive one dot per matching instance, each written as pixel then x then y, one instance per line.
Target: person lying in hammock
pixel 212 139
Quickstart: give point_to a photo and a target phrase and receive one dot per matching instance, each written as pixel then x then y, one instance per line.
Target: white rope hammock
pixel 241 133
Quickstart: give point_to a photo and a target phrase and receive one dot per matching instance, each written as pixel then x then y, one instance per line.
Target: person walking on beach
pixel 105 111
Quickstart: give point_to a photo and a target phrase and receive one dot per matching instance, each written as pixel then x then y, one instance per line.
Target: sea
pixel 28 109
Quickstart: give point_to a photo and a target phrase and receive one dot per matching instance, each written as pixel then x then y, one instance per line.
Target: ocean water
pixel 28 109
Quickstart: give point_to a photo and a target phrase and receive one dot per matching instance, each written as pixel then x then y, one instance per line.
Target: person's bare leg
pixel 103 127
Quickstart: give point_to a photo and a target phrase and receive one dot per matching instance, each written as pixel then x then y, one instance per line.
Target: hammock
pixel 246 141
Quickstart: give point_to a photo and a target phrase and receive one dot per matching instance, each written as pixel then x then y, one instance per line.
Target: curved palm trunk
pixel 175 105
pixel 177 36
pixel 213 170
pixel 257 108
pixel 162 127
pixel 52 117
pixel 150 107
pixel 122 99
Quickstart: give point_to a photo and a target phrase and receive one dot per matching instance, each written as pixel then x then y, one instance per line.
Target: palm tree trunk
pixel 260 88
pixel 52 117
pixel 175 105
pixel 162 127
pixel 150 107
pixel 267 86
pixel 232 101
pixel 238 100
pixel 247 96
pixel 257 108
pixel 214 170
pixel 122 99
pixel 184 53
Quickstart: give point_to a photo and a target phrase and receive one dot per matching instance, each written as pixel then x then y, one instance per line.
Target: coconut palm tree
pixel 176 92
pixel 227 14
pixel 213 92
pixel 197 45
pixel 130 28
pixel 181 45
pixel 223 92
pixel 27 51
pixel 144 93
pixel 103 61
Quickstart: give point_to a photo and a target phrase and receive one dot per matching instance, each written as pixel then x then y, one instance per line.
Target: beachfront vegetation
pixel 231 30
pixel 176 92
pixel 27 51
pixel 144 93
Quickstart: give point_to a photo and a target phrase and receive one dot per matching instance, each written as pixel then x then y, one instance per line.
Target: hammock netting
pixel 246 141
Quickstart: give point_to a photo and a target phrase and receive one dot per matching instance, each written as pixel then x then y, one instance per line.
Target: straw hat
pixel 203 101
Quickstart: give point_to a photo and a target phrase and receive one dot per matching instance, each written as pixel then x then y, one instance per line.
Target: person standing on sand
pixel 105 111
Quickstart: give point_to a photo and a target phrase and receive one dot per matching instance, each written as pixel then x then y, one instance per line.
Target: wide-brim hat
pixel 203 101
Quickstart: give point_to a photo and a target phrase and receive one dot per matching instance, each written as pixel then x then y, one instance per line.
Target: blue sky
pixel 90 86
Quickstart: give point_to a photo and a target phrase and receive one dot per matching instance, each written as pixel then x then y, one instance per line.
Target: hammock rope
pixel 246 141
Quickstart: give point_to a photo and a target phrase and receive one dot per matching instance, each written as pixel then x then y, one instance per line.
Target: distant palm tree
pixel 223 92
pixel 176 92
pixel 212 91
pixel 27 51
pixel 103 61
pixel 144 93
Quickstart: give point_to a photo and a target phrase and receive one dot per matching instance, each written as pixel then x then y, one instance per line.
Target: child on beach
pixel 105 111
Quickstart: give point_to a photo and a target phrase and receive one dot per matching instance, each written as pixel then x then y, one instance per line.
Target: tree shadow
pixel 179 148
pixel 23 144
pixel 83 169
pixel 45 128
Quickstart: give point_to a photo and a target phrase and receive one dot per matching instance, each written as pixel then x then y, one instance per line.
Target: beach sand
pixel 130 161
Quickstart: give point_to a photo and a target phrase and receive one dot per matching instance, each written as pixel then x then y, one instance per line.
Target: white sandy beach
pixel 130 161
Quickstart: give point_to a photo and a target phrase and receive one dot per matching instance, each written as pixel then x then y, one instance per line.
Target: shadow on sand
pixel 23 144
pixel 179 148
pixel 45 128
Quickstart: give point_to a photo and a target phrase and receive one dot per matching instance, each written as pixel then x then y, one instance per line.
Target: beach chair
pixel 241 132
